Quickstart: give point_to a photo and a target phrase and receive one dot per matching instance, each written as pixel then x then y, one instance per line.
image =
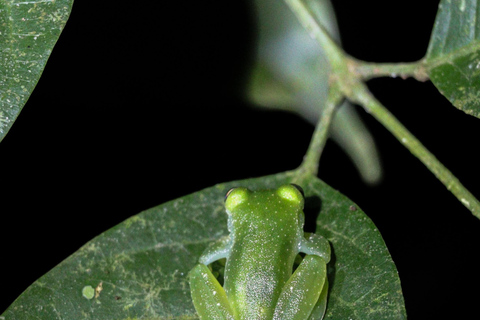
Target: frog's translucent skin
pixel 266 234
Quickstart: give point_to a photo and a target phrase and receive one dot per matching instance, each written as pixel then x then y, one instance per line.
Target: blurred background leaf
pixel 291 73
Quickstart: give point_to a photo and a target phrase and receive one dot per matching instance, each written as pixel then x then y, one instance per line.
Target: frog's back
pixel 265 235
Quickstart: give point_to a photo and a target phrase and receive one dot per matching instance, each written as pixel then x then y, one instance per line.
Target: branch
pixel 348 75
pixel 369 70
pixel 369 102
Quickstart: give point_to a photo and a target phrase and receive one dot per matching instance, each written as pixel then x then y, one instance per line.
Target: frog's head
pixel 244 206
pixel 290 194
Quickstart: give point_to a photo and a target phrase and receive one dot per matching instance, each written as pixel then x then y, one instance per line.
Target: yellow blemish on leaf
pixel 98 289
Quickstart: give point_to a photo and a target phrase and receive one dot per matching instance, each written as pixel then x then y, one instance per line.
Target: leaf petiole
pixel 370 70
pixel 375 108
pixel 309 166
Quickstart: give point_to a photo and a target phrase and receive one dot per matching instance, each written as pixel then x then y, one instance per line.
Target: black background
pixel 141 103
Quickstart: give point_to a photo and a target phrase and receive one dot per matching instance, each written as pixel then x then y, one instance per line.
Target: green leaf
pixel 28 32
pixel 453 57
pixel 138 269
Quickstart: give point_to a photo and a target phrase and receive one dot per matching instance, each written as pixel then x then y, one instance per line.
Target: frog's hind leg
pixel 319 310
pixel 209 297
pixel 302 291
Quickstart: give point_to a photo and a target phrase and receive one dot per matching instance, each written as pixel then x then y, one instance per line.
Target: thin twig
pixel 376 109
pixel 310 164
pixel 369 70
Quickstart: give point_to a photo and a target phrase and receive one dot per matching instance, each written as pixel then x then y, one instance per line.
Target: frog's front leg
pixel 300 295
pixel 317 245
pixel 217 250
pixel 208 295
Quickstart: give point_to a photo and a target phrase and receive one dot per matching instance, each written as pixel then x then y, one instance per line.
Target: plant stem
pixel 349 75
pixel 338 58
pixel 365 98
pixel 309 166
pixel 369 70
pixel 317 31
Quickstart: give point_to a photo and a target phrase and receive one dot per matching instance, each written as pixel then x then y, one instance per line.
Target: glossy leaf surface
pixel 453 57
pixel 28 32
pixel 138 269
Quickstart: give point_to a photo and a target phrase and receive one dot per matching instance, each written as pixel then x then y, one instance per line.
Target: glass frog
pixel 266 234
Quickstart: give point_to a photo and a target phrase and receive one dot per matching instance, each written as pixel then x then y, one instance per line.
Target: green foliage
pixel 139 267
pixel 453 56
pixel 29 30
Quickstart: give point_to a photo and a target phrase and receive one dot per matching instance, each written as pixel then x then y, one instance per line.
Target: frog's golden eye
pixel 235 196
pixel 299 189
pixel 228 193
pixel 291 193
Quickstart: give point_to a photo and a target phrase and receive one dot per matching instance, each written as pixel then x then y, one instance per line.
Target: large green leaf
pixel 141 264
pixel 453 57
pixel 28 32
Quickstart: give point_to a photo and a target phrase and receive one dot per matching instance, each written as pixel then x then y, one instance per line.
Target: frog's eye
pixel 299 189
pixel 234 197
pixel 292 193
pixel 228 193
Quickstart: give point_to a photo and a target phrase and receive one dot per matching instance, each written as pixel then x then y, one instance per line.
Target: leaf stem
pixel 316 30
pixel 370 103
pixel 310 164
pixel 339 59
pixel 369 70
